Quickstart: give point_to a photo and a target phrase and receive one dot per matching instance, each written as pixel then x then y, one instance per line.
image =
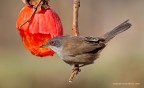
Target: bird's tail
pixel 120 28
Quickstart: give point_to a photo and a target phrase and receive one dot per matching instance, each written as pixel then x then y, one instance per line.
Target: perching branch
pixel 76 5
pixel 75 30
pixel 75 71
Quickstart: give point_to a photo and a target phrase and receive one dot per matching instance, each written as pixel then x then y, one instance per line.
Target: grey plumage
pixel 83 50
pixel 120 28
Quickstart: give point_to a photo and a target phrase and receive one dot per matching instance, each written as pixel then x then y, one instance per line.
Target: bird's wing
pixel 79 45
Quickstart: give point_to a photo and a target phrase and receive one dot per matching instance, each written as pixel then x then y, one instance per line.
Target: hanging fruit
pixel 37 26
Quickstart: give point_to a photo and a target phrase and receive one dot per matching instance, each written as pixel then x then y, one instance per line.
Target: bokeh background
pixel 122 61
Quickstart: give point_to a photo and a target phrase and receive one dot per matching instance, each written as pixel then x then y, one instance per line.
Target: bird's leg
pixel 75 71
pixel 83 65
pixel 76 68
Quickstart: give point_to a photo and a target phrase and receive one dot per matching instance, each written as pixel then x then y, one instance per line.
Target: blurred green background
pixel 122 61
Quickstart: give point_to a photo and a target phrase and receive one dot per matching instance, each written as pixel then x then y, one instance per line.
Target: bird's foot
pixel 76 69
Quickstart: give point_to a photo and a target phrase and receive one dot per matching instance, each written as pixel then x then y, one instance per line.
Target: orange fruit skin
pixel 44 25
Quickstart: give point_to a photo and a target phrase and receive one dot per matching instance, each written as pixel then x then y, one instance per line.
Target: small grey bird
pixel 81 51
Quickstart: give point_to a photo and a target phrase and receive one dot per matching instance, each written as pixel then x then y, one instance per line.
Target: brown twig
pixel 76 5
pixel 75 30
pixel 73 74
pixel 75 71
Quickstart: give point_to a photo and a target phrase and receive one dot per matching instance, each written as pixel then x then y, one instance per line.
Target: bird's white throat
pixel 57 50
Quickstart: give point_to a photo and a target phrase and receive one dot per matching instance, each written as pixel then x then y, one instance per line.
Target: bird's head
pixel 55 43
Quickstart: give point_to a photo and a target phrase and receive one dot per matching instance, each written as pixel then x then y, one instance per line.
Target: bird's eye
pixel 52 42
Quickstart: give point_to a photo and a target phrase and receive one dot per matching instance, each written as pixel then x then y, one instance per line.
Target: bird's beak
pixel 43 46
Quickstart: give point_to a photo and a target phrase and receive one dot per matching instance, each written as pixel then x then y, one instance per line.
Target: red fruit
pixel 44 25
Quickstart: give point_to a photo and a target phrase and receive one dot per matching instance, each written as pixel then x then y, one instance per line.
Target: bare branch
pixel 75 72
pixel 75 30
pixel 76 5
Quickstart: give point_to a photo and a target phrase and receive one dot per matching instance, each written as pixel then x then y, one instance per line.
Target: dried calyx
pixel 34 3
